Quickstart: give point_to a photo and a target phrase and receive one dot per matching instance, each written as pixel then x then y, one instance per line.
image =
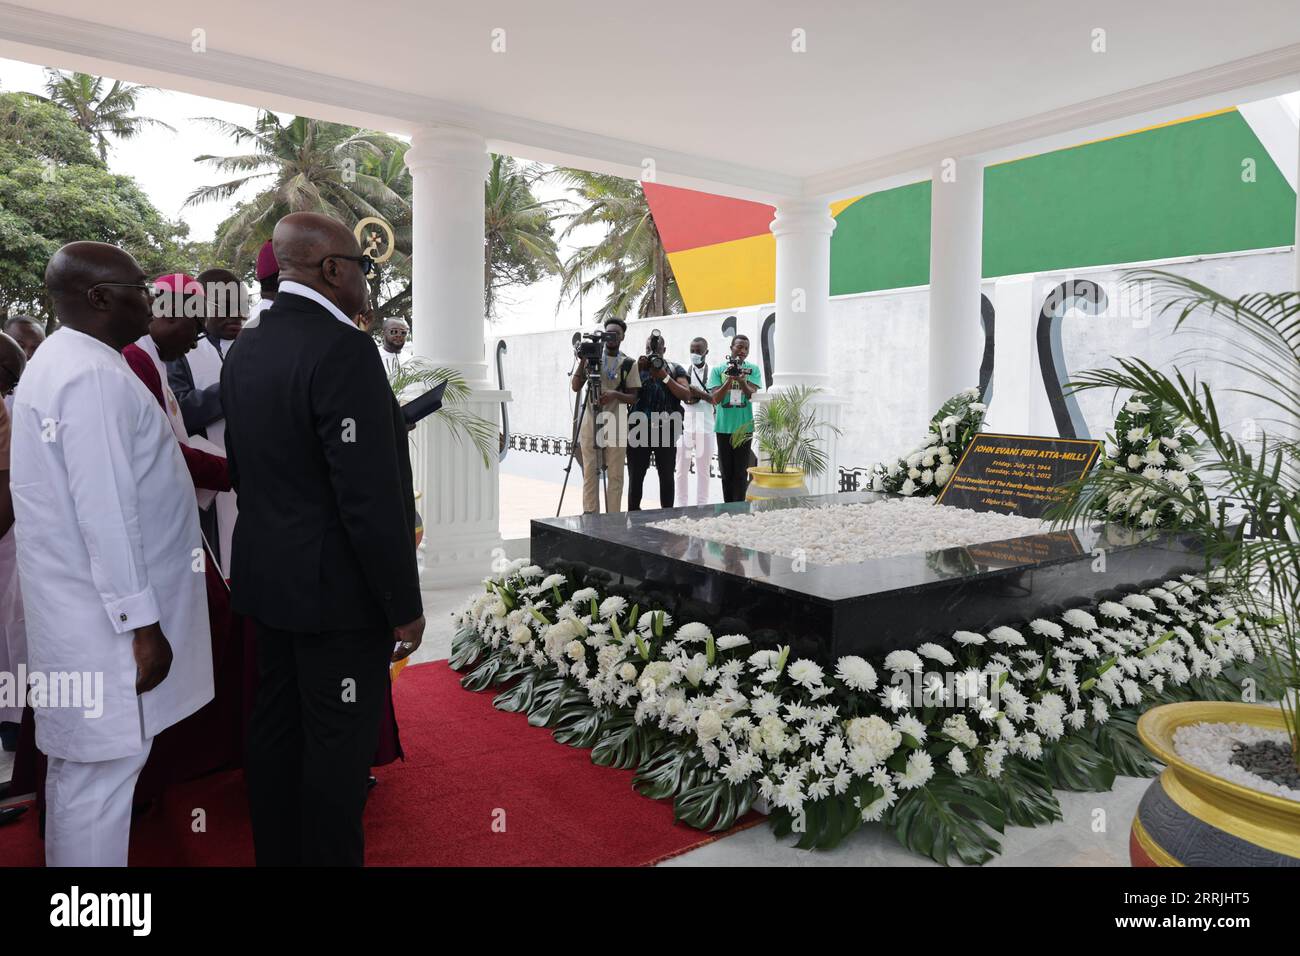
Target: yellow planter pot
pixel 1190 817
pixel 765 483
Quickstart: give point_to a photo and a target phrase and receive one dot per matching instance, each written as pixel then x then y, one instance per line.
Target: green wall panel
pixel 1173 191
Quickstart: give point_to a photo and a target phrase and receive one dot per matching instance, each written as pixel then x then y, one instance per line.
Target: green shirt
pixel 727 417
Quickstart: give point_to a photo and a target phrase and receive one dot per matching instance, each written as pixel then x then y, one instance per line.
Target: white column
pixel 803 230
pixel 459 495
pixel 1297 206
pixel 956 255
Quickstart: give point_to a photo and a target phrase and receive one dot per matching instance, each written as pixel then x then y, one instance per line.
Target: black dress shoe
pixel 9 736
pixel 10 814
pixel 371 782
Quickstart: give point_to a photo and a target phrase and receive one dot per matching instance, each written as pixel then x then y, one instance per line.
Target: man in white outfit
pixel 109 553
pixel 698 443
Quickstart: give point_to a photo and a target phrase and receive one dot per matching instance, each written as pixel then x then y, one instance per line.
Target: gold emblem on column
pixel 374 234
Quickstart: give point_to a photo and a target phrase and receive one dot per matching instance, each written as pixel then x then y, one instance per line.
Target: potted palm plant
pixel 788 432
pixel 1230 791
pixel 417 375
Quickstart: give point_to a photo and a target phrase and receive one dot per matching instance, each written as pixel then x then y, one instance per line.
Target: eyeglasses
pixel 366 264
pixel 146 287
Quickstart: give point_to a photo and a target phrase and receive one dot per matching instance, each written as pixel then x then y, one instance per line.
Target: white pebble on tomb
pixel 845 534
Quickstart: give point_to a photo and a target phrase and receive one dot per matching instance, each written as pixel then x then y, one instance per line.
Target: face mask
pixel 697 358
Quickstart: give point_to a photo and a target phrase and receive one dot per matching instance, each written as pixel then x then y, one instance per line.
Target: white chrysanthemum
pixel 729 641
pixel 875 810
pixel 907 724
pixel 1049 629
pixel 917 773
pixel 957 761
pixel 551 581
pixel 855 673
pixel 903 661
pixel 969 638
pixel 908 487
pixel 612 606
pixel 1136 407
pixel 1139 602
pixel 1007 635
pixel 936 653
pixel 1080 619
pixel 1113 610
pixel 1031 745
pixel 943 473
pixel 893 698
pixel 584 596
pixel 805 673
pixel 693 632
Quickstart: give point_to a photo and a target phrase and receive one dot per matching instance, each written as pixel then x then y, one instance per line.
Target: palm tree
pixel 519 239
pixel 303 165
pixel 99 113
pixel 629 260
pixel 1258 336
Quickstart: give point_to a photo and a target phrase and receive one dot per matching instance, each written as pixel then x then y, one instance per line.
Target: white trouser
pixel 697 446
pixel 88 809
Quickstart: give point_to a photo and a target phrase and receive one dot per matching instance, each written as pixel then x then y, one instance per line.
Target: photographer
pixel 619 384
pixel 697 442
pixel 732 387
pixel 655 422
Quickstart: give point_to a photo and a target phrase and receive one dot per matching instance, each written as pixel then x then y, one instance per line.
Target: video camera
pixel 590 345
pixel 735 367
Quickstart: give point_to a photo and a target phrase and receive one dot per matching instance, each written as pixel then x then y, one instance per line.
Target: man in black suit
pixel 324 548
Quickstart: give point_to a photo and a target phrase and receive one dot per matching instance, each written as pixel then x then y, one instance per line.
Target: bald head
pixel 313 249
pixel 395 333
pixel 100 290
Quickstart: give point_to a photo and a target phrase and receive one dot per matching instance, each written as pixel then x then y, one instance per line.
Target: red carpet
pixel 465 761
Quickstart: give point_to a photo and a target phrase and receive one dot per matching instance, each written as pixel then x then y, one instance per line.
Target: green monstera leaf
pixel 623 744
pixel 714 804
pixel 1075 763
pixel 551 698
pixel 1118 741
pixel 949 816
pixel 579 725
pixel 466 648
pixel 678 767
pixel 519 697
pixel 1024 792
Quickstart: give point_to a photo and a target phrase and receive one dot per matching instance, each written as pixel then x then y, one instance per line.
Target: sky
pixel 162 162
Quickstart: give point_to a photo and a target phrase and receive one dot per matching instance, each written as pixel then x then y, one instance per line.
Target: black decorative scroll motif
pixel 505 415
pixel 987 317
pixel 768 337
pixel 1088 297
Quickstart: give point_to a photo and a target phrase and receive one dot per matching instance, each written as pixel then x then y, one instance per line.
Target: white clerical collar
pixel 297 288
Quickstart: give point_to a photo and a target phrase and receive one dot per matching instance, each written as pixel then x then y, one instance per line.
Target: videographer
pixel 619 382
pixel 655 422
pixel 732 387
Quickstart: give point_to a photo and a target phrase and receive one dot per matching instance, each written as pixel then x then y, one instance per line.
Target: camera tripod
pixel 588 398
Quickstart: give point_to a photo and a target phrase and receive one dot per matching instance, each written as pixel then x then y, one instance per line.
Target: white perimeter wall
pixel 880 349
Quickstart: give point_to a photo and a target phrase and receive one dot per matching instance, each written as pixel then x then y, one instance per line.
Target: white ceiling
pixel 708 88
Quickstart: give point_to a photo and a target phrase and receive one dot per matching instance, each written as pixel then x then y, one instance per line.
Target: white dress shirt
pixel 108 541
pixel 307 292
